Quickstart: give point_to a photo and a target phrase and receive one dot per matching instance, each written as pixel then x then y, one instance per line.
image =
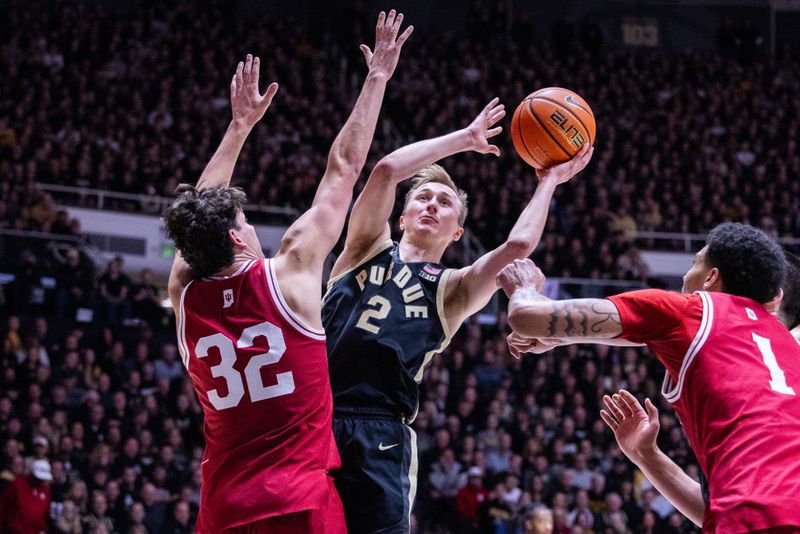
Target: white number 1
pixel 778 382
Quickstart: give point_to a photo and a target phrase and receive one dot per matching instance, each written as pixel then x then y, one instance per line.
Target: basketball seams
pixel 568 110
pixel 547 130
pixel 518 113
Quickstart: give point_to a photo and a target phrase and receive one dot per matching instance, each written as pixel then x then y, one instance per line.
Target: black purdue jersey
pixel 384 322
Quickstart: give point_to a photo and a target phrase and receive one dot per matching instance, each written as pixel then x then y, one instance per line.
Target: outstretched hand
pixel 384 58
pixel 247 104
pixel 563 172
pixel 635 429
pixel 480 130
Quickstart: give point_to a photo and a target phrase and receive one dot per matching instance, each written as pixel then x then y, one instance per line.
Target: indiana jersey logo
pixel 227 298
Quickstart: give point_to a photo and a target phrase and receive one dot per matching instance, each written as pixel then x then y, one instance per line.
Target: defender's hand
pixel 247 105
pixel 563 172
pixel 481 128
pixel 383 59
pixel 519 345
pixel 635 429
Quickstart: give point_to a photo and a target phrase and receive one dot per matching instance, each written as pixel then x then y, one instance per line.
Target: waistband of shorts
pixel 367 412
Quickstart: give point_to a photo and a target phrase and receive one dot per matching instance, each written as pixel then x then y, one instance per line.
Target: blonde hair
pixel 434 173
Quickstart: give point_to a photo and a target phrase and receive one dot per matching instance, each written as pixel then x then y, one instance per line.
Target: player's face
pixel 433 210
pixel 247 235
pixel 696 277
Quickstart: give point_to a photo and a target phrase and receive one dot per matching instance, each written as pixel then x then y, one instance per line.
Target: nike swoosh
pixel 381 447
pixel 570 100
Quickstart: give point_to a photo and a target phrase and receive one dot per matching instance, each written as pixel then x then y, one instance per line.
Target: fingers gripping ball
pixel 550 126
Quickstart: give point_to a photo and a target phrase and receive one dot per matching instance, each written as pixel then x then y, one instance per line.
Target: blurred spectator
pixel 25 503
pixel 538 520
pixel 469 499
pixel 144 296
pixel 168 367
pixel 114 286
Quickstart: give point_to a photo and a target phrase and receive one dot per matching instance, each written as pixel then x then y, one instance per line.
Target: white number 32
pixel 252 373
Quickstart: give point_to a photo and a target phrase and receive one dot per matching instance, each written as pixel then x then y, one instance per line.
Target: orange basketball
pixel 550 126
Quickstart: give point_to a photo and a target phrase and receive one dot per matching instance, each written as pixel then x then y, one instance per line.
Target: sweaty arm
pixel 470 288
pixel 368 226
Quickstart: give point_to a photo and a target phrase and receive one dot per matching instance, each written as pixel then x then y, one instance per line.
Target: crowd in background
pixel 136 102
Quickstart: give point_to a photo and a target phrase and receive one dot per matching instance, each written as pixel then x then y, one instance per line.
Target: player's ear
pixel 402 223
pixel 235 240
pixel 458 233
pixel 713 281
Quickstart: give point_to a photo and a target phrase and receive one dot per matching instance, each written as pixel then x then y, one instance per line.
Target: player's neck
pixel 239 259
pixel 416 251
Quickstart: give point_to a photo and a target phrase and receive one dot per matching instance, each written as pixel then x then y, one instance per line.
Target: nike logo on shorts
pixel 381 447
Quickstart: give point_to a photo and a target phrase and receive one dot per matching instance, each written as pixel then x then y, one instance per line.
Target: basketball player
pixel 636 427
pixel 249 328
pixel 391 307
pixel 732 368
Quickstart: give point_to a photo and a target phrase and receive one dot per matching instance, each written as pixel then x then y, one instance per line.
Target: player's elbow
pixel 517 248
pixel 344 166
pixel 385 169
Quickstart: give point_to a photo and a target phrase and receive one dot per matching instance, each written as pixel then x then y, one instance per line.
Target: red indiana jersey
pixel 733 374
pixel 261 376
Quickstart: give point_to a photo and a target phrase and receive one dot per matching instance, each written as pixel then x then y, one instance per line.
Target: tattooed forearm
pixel 603 314
pixel 566 318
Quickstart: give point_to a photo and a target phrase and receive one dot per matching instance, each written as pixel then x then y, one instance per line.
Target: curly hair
pixel 750 262
pixel 790 306
pixel 198 222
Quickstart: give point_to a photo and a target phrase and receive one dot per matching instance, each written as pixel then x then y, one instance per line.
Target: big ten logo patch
pixel 227 298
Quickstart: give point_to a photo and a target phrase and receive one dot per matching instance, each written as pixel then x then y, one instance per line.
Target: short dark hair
pixel 198 221
pixel 750 262
pixel 790 305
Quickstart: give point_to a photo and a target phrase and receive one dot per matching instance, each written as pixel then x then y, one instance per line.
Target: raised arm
pixel 636 431
pixel 368 225
pixel 248 107
pixel 471 288
pixel 311 238
pixel 532 315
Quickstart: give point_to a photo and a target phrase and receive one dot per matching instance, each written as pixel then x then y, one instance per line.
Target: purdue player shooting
pixel 391 307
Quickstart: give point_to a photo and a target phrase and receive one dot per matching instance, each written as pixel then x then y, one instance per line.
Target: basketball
pixel 550 126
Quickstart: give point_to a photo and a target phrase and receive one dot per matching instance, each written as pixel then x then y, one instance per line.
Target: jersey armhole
pixel 669 388
pixel 283 307
pixel 183 348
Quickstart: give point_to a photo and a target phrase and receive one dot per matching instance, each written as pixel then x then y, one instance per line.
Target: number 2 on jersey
pixel 380 312
pixel 252 372
pixel 777 376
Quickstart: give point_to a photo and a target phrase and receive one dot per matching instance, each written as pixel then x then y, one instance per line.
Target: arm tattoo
pixel 576 319
pixel 604 316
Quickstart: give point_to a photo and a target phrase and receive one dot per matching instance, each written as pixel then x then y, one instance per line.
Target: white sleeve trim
pixel 283 307
pixel 183 348
pixel 669 389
